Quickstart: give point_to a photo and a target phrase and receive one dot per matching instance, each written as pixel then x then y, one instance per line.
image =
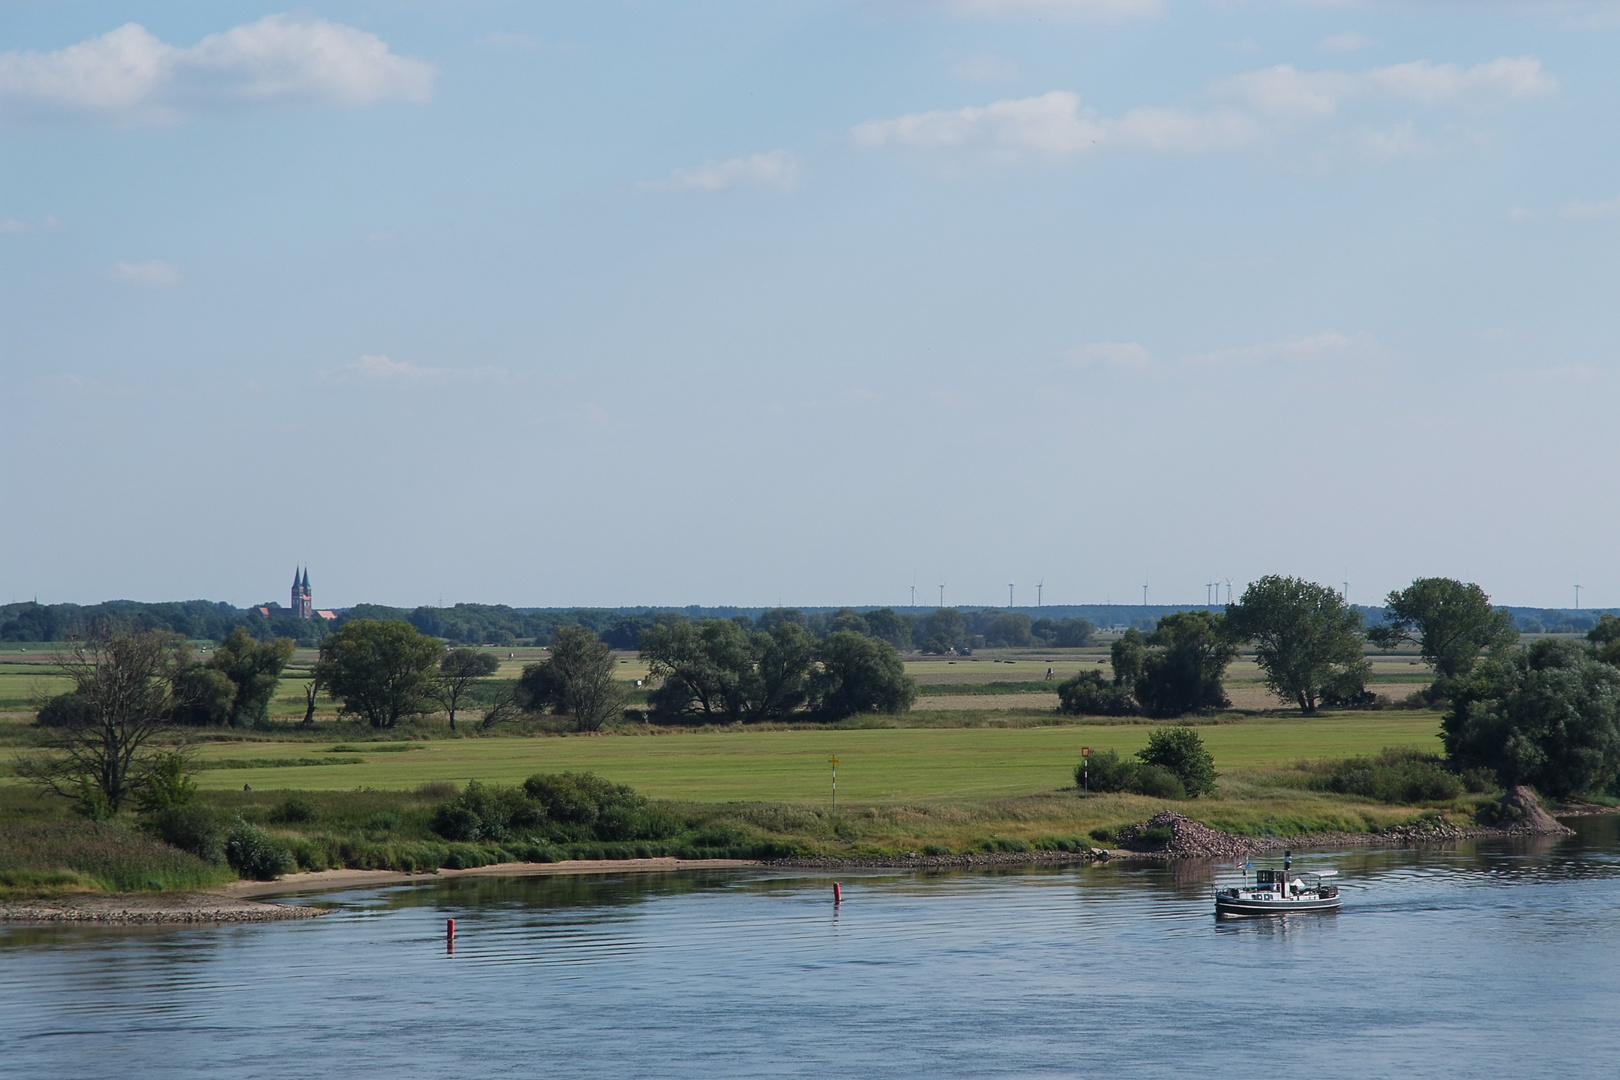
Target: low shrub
pixel 1181 752
pixel 1156 837
pixel 190 828
pixel 1089 694
pixel 254 853
pixel 294 810
pixel 1110 772
pixel 999 843
pixel 1393 776
pixel 1158 782
pixel 557 808
pixel 1107 771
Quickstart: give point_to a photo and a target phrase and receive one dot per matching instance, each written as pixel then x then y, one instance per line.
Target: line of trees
pixel 1547 716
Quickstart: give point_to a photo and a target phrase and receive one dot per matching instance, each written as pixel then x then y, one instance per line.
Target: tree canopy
pixel 1452 623
pixel 722 671
pixel 575 680
pixel 254 669
pixel 460 670
pixel 384 671
pixel 1547 716
pixel 1307 639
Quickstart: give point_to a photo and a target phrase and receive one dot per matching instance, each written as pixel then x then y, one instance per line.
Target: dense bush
pixel 1181 752
pixel 294 810
pixel 64 711
pixel 1393 776
pixel 254 853
pixel 551 808
pixel 1089 694
pixel 1110 772
pixel 1158 782
pixel 190 828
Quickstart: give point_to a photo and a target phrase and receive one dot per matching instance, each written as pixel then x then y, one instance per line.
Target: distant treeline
pixel 498 624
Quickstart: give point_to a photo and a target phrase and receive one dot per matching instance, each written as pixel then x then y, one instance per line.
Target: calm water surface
pixel 1493 959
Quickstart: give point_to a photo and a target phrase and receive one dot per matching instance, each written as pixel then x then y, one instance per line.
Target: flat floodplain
pixel 880 765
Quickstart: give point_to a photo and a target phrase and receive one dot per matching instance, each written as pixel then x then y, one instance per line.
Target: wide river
pixel 1489 959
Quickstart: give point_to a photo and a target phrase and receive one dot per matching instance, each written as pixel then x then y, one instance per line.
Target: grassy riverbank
pixel 931 783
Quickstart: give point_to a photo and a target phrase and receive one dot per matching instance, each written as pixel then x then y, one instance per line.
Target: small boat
pixel 1279 892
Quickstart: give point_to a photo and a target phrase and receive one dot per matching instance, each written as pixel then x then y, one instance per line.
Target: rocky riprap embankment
pixel 136 909
pixel 1519 813
pixel 1188 839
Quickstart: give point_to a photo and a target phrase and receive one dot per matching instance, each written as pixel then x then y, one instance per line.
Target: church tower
pixel 303 601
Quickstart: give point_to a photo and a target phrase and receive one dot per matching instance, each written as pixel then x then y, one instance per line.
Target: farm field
pixel 25 676
pixel 880 765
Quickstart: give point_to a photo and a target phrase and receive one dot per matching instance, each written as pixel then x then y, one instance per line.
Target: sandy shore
pixel 332 880
pixel 243 901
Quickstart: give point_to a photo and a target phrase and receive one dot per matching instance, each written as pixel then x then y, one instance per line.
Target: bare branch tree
pixel 124 687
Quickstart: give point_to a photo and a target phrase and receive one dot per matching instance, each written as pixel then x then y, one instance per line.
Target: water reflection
pixel 1114 970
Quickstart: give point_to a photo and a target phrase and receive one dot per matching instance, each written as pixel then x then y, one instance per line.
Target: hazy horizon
pixel 612 304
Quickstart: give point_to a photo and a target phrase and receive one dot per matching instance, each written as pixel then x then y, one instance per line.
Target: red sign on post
pixel 1085 751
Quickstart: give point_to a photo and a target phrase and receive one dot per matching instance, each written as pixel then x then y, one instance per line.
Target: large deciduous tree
pixel 382 670
pixel 1548 716
pixel 1306 638
pixel 1184 665
pixel 254 668
pixel 575 680
pixel 124 696
pixel 860 674
pixel 460 670
pixel 1452 623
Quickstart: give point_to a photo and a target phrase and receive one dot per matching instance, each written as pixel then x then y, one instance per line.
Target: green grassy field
pixel 875 766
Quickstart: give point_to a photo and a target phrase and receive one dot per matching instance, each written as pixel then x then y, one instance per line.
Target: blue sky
pixel 621 303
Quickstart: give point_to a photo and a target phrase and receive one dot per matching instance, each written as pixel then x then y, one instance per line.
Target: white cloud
pixel 129 76
pixel 20 225
pixel 1285 91
pixel 1087 10
pixel 1369 146
pixel 1347 42
pixel 1608 208
pixel 152 274
pixel 1329 344
pixel 1055 123
pixel 1120 354
pixel 777 169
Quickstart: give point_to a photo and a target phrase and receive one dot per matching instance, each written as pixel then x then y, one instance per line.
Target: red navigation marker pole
pixel 1085 769
pixel 838 894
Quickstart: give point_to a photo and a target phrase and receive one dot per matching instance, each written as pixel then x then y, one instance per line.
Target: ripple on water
pixel 1455 962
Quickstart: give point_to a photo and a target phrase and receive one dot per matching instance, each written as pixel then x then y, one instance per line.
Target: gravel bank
pixel 136 908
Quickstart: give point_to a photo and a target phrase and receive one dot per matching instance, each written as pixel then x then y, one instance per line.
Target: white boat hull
pixel 1251 906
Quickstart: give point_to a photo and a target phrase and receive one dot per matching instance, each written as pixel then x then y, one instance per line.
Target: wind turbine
pixel 942 594
pixel 1228 590
pixel 1009 593
pixel 1038 585
pixel 1577 596
pixel 1144 594
pixel 913 594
